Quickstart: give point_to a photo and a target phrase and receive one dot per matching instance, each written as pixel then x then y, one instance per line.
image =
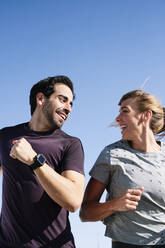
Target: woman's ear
pixel 147 115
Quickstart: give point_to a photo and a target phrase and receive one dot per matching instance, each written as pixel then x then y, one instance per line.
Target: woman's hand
pixel 128 201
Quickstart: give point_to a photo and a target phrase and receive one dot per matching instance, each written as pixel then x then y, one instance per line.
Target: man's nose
pixel 68 108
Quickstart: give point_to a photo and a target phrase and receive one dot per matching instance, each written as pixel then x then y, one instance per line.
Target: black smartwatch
pixel 39 161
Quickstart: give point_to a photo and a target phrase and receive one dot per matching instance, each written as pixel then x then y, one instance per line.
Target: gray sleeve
pixel 101 169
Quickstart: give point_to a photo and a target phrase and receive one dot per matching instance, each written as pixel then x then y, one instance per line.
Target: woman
pixel 132 171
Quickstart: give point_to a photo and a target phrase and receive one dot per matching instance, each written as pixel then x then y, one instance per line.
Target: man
pixel 43 174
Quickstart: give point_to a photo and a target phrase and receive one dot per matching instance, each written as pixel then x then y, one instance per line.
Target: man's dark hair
pixel 46 86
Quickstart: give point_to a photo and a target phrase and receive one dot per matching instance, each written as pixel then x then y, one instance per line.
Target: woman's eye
pixel 125 111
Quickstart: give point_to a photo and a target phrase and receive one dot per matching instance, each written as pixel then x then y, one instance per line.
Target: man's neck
pixel 38 125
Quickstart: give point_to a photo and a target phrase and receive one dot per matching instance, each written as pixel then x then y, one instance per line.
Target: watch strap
pixel 39 161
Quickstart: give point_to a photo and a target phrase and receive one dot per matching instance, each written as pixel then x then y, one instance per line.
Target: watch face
pixel 41 159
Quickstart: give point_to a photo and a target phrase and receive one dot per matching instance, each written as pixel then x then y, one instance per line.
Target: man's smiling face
pixel 58 106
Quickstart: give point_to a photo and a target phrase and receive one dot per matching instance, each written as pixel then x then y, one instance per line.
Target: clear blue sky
pixel 106 47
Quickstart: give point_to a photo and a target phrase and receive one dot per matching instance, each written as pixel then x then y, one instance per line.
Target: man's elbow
pixel 74 206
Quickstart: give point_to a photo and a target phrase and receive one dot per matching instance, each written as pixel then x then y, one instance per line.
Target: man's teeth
pixel 63 116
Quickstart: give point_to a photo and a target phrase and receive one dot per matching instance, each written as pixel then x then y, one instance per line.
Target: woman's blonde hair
pixel 146 102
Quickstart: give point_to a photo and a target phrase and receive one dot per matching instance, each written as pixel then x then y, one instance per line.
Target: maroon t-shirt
pixel 29 217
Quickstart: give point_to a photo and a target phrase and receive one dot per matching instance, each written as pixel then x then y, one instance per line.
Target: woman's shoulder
pixel 120 144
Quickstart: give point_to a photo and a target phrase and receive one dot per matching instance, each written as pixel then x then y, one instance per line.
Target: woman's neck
pixel 146 143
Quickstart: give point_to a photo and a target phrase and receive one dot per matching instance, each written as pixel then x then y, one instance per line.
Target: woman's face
pixel 130 120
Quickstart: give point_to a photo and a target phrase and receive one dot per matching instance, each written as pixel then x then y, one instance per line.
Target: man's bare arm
pixel 65 189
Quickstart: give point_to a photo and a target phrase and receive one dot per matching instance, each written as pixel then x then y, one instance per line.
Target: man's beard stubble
pixel 48 111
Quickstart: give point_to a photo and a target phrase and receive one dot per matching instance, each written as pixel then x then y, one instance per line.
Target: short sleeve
pixel 101 169
pixel 74 157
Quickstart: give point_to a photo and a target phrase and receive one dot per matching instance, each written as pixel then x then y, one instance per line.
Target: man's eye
pixel 62 99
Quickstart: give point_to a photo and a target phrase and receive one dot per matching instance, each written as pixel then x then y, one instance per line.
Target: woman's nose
pixel 117 119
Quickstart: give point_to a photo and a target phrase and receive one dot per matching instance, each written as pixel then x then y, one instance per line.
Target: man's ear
pixel 40 99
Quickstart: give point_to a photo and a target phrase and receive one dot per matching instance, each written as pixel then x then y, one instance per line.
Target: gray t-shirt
pixel 120 167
